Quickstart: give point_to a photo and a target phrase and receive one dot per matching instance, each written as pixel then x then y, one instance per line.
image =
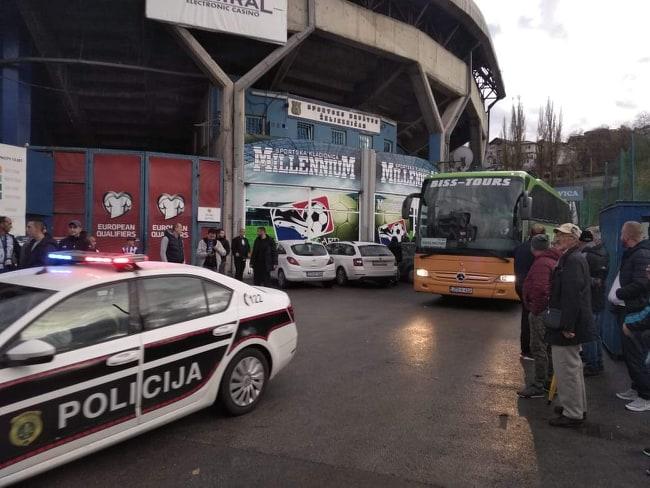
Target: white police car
pixel 94 353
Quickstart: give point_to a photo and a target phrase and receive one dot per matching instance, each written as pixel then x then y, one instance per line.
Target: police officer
pixel 77 239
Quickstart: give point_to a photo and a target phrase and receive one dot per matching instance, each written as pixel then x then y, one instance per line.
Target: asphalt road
pixel 389 388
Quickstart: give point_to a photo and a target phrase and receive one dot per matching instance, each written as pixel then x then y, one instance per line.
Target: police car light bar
pixel 74 257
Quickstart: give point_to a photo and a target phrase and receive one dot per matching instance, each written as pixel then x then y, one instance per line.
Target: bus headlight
pixel 422 273
pixel 507 278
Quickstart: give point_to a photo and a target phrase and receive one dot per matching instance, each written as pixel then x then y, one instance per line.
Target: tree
pixel 642 120
pixel 505 155
pixel 517 134
pixel 549 140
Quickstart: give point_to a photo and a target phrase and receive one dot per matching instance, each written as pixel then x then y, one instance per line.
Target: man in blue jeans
pixel 598 259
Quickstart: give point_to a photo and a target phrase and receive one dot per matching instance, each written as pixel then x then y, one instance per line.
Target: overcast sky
pixel 591 57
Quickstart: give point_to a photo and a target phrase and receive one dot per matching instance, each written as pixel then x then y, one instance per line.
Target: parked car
pixel 363 261
pixel 302 262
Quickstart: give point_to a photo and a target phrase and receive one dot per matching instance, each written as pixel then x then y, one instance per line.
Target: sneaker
pixel 532 391
pixel 646 451
pixel 526 357
pixel 563 421
pixel 639 405
pixel 630 395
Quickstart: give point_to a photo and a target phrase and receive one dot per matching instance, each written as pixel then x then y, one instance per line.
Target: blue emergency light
pixel 77 257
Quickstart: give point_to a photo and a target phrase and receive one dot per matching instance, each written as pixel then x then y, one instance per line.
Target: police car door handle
pixel 225 329
pixel 123 358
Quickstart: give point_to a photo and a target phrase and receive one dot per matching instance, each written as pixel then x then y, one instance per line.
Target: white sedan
pixel 363 261
pixel 303 261
pixel 99 351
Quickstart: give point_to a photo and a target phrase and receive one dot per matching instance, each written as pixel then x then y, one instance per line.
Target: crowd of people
pixel 562 285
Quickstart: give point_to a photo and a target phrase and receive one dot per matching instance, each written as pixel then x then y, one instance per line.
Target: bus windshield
pixel 470 215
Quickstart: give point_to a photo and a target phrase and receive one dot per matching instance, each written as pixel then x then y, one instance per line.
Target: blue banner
pixel 401 175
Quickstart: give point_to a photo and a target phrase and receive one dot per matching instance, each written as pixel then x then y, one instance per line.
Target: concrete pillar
pixel 437 149
pixel 477 143
pixel 367 199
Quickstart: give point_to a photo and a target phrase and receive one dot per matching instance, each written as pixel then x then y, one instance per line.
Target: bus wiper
pixel 496 255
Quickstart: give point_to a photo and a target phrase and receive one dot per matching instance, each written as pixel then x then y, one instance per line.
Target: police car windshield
pixel 16 301
pixel 309 249
pixel 459 215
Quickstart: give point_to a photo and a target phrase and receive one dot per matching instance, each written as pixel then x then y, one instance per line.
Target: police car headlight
pixel 507 278
pixel 422 273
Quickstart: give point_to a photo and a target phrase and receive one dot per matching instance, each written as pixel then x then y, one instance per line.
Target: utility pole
pixel 633 157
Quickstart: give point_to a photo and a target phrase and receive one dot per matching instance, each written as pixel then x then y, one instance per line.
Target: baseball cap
pixel 540 242
pixel 571 229
pixel 76 223
pixel 586 236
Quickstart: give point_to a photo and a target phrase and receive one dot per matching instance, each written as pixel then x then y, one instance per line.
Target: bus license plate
pixel 314 274
pixel 463 290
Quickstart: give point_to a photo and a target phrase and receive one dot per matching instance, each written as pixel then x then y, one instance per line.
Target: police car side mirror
pixel 33 351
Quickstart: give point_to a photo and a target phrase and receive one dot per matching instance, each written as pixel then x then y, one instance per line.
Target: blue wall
pixel 273 108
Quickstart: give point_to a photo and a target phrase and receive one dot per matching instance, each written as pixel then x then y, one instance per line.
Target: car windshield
pixel 374 251
pixel 16 301
pixel 309 249
pixel 465 214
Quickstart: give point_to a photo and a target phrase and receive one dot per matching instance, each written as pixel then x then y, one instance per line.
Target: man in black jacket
pixel 571 296
pixel 9 246
pixel 171 245
pixel 523 261
pixel 633 291
pixel 264 258
pixel 598 260
pixel 77 239
pixel 241 248
pixel 221 237
pixel 35 251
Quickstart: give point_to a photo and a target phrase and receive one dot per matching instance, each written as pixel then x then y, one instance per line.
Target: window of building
pixel 254 124
pixel 339 137
pixel 365 142
pixel 305 131
pixel 388 146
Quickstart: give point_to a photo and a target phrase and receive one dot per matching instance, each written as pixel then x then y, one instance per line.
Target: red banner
pixel 116 200
pixel 69 191
pixel 170 201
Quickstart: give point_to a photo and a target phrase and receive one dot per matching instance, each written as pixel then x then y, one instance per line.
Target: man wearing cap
pixel 598 260
pixel 536 294
pixel 76 240
pixel 634 292
pixel 573 325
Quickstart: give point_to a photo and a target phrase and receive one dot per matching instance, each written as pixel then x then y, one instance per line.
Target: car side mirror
pixel 33 351
pixel 407 204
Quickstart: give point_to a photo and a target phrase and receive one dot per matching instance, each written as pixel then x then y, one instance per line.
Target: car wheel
pixel 282 280
pixel 341 277
pixel 244 382
pixel 328 284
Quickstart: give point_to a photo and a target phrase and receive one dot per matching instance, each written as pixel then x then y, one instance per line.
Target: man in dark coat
pixel 571 296
pixel 77 239
pixel 171 245
pixel 536 295
pixel 264 258
pixel 396 248
pixel 523 261
pixel 221 237
pixel 633 291
pixel 598 260
pixel 35 251
pixel 241 249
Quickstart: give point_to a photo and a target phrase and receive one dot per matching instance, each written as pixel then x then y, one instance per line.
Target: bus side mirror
pixel 407 204
pixel 526 206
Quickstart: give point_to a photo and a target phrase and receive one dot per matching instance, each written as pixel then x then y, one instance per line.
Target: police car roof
pixel 58 278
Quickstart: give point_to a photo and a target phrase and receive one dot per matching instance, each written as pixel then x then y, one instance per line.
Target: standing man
pixel 571 297
pixel 40 244
pixel 536 295
pixel 171 245
pixel 598 261
pixel 221 236
pixel 210 251
pixel 76 240
pixel 264 258
pixel 523 261
pixel 241 249
pixel 9 247
pixel 633 291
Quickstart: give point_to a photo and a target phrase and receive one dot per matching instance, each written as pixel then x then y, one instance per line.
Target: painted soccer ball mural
pixel 346 217
pixel 393 229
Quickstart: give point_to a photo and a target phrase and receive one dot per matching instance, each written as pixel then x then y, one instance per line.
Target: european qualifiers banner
pixel 303 164
pixel 401 175
pixel 265 20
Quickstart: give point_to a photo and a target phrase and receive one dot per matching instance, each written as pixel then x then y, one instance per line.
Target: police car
pixel 107 346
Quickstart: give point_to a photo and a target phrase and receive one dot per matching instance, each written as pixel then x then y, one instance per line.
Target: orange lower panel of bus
pixel 470 276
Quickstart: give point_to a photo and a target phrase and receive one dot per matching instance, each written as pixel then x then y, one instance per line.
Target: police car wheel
pixel 244 382
pixel 282 280
pixel 341 277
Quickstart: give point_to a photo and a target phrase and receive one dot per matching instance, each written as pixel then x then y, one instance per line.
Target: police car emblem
pixel 25 428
